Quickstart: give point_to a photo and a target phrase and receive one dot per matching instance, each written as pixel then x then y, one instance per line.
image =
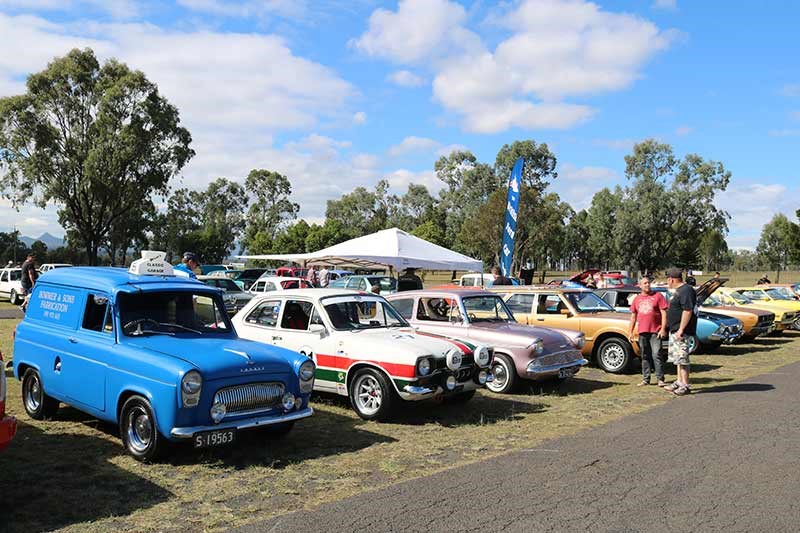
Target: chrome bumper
pixel 538 371
pixel 249 423
pixel 725 338
pixel 415 393
pixel 757 331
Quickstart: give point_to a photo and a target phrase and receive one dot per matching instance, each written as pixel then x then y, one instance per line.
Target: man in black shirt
pixel 682 324
pixel 29 276
pixel 499 278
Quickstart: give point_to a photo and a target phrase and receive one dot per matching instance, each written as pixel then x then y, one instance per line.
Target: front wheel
pixel 137 427
pixel 614 355
pixel 505 375
pixel 371 395
pixel 796 324
pixel 693 344
pixel 38 404
pixel 14 298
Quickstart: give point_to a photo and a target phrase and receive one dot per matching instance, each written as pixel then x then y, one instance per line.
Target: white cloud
pixel 413 144
pixel 603 175
pixel 360 118
pixel 683 131
pixel 449 149
pixel 665 4
pixel 405 78
pixel 118 9
pixel 399 180
pixel 616 144
pixel 556 49
pixel 786 132
pixel 416 32
pixel 791 89
pixel 751 205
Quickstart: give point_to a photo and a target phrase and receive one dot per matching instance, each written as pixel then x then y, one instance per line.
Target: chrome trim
pixel 251 397
pixel 417 391
pixel 188 432
pixel 538 371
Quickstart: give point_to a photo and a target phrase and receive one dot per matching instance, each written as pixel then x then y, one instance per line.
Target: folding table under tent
pixel 391 248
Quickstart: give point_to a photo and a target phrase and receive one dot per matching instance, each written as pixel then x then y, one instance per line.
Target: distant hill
pixel 51 241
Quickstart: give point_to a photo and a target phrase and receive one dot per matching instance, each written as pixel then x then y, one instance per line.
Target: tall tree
pixel 271 207
pixel 601 222
pixel 775 243
pixel 362 211
pixel 539 163
pixel 713 249
pixel 98 141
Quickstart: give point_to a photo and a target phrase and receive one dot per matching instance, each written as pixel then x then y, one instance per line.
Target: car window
pixel 404 306
pixel 755 295
pixel 172 313
pixel 4 276
pixel 259 286
pixel 352 283
pixel 521 303
pixel 438 310
pixel 586 302
pixel 97 314
pixel 265 314
pixel 550 304
pixel 362 313
pixel 296 314
pixel 15 275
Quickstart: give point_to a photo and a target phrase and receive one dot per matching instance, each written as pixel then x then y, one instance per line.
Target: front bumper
pixel 248 423
pixel 8 428
pixel 434 385
pixel 758 331
pixel 725 337
pixel 536 372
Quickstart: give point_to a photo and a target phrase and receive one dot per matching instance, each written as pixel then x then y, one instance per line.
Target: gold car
pixel 787 312
pixel 606 330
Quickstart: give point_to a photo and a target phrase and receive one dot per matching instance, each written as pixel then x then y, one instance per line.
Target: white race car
pixel 364 349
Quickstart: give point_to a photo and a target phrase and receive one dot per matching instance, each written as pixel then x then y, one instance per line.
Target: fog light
pixel 482 375
pixel 450 382
pixel 288 401
pixel 218 412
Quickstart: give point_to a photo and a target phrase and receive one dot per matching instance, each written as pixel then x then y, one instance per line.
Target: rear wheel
pixel 693 344
pixel 38 404
pixel 614 355
pixel 15 298
pixel 505 375
pixel 371 395
pixel 137 427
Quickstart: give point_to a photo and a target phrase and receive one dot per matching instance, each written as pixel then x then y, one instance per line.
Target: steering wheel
pixel 471 316
pixel 138 323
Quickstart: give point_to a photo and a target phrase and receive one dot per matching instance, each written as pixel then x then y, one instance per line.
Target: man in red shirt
pixel 649 309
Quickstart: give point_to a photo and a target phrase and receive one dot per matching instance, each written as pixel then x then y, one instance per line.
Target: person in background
pixel 187 265
pixel 590 283
pixel 375 289
pixel 499 278
pixel 716 275
pixel 691 281
pixel 649 311
pixel 682 323
pixel 601 281
pixel 410 280
pixel 324 277
pixel 763 281
pixel 313 276
pixel 29 277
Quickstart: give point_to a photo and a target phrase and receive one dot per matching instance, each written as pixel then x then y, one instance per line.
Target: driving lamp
pixel 482 376
pixel 482 356
pixel 450 382
pixel 424 366
pixel 288 401
pixel 218 412
pixel 454 359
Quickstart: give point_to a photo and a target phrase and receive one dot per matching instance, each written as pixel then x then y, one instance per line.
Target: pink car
pixel 521 352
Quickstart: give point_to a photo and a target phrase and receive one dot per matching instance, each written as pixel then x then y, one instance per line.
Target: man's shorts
pixel 678 350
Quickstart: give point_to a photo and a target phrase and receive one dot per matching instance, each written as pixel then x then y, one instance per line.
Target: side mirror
pixel 566 312
pixel 319 329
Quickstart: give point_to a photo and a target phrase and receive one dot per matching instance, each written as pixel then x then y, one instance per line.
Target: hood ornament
pixel 242 354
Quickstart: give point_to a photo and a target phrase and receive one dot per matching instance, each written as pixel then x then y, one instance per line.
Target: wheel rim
pixel 796 324
pixel 14 299
pixel 613 356
pixel 139 429
pixel 500 373
pixel 33 394
pixel 369 394
pixel 692 344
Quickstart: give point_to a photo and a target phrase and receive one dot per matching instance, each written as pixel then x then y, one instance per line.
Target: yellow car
pixel 787 312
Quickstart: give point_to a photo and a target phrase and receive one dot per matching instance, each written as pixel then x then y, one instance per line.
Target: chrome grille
pixel 558 358
pixel 250 397
pixel 765 320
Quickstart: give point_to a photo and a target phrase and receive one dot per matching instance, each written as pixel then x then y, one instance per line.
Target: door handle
pixel 540 319
pixel 277 338
pixel 73 340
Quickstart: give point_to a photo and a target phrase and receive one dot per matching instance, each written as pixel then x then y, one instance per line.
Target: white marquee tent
pixel 387 248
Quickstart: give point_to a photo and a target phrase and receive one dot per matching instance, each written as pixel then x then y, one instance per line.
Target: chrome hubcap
pixel 369 394
pixel 500 377
pixel 33 396
pixel 140 430
pixel 613 356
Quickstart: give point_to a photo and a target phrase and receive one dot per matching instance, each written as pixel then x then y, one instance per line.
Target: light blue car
pixel 155 354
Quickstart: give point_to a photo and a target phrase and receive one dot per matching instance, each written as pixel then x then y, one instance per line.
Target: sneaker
pixel 662 383
pixel 681 391
pixel 643 383
pixel 672 386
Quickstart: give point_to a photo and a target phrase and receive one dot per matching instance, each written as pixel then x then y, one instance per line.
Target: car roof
pixel 540 288
pixel 115 279
pixel 450 293
pixel 314 293
pixel 278 279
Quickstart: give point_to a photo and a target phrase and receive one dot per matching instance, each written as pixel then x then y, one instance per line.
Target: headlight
pixel 580 342
pixel 483 376
pixel 218 412
pixel 191 385
pixel 454 359
pixel 450 382
pixel 537 346
pixel 288 401
pixel 306 374
pixel 482 356
pixel 424 366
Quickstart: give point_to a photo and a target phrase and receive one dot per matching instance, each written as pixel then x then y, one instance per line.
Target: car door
pixel 84 365
pixel 521 305
pixel 5 287
pixel 548 312
pixel 261 322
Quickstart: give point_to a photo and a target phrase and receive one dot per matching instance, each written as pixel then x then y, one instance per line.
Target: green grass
pixel 71 473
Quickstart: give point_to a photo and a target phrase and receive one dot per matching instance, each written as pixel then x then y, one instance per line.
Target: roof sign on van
pixel 152 263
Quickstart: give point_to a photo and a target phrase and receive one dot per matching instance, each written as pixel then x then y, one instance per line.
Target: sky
pixel 337 94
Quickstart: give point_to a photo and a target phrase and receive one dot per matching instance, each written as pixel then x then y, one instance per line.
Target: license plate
pixel 566 373
pixel 209 439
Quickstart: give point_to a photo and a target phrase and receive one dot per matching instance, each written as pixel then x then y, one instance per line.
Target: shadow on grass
pixel 739 387
pixel 481 410
pixel 53 480
pixel 733 350
pixel 567 387
pixel 696 380
pixel 699 368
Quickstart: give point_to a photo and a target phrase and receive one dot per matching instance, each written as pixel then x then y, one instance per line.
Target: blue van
pixel 155 354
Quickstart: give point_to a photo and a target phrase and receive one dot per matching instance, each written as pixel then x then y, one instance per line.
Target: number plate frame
pixel 565 373
pixel 212 439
